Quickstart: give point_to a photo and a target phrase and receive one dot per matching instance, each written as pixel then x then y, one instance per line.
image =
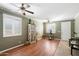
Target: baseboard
pixel 57 39
pixel 33 42
pixel 11 48
pixel 64 40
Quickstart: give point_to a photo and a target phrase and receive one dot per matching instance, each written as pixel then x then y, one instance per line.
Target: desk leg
pixel 69 42
pixel 71 50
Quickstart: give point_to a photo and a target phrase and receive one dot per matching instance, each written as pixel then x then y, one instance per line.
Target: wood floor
pixel 63 49
pixel 43 47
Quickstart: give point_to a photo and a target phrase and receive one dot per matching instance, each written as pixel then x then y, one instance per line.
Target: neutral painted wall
pixel 8 42
pixel 77 25
pixel 58 30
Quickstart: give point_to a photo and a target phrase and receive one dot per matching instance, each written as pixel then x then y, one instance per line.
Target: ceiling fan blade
pixel 29 11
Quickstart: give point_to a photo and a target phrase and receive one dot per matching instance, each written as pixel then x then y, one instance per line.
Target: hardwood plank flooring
pixel 63 49
pixel 43 47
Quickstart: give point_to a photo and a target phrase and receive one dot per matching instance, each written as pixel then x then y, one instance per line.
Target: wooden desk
pixel 74 44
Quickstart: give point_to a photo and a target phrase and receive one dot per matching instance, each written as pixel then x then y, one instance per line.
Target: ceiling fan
pixel 23 8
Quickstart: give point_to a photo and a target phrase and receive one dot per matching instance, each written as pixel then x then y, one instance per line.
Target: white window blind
pixel 12 26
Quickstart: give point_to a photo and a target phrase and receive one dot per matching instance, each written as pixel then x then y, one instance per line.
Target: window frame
pixel 13 18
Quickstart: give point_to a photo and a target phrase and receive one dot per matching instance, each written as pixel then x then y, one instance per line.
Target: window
pixel 51 27
pixel 12 26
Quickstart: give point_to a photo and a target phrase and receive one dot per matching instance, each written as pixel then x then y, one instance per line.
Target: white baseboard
pixel 11 48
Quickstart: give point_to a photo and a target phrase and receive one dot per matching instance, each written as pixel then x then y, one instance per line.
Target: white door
pixel 65 30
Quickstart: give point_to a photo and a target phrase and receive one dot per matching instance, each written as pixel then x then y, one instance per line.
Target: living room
pixel 39 29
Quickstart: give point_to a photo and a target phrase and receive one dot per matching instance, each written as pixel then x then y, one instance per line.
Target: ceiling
pixel 51 11
pixel 57 11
